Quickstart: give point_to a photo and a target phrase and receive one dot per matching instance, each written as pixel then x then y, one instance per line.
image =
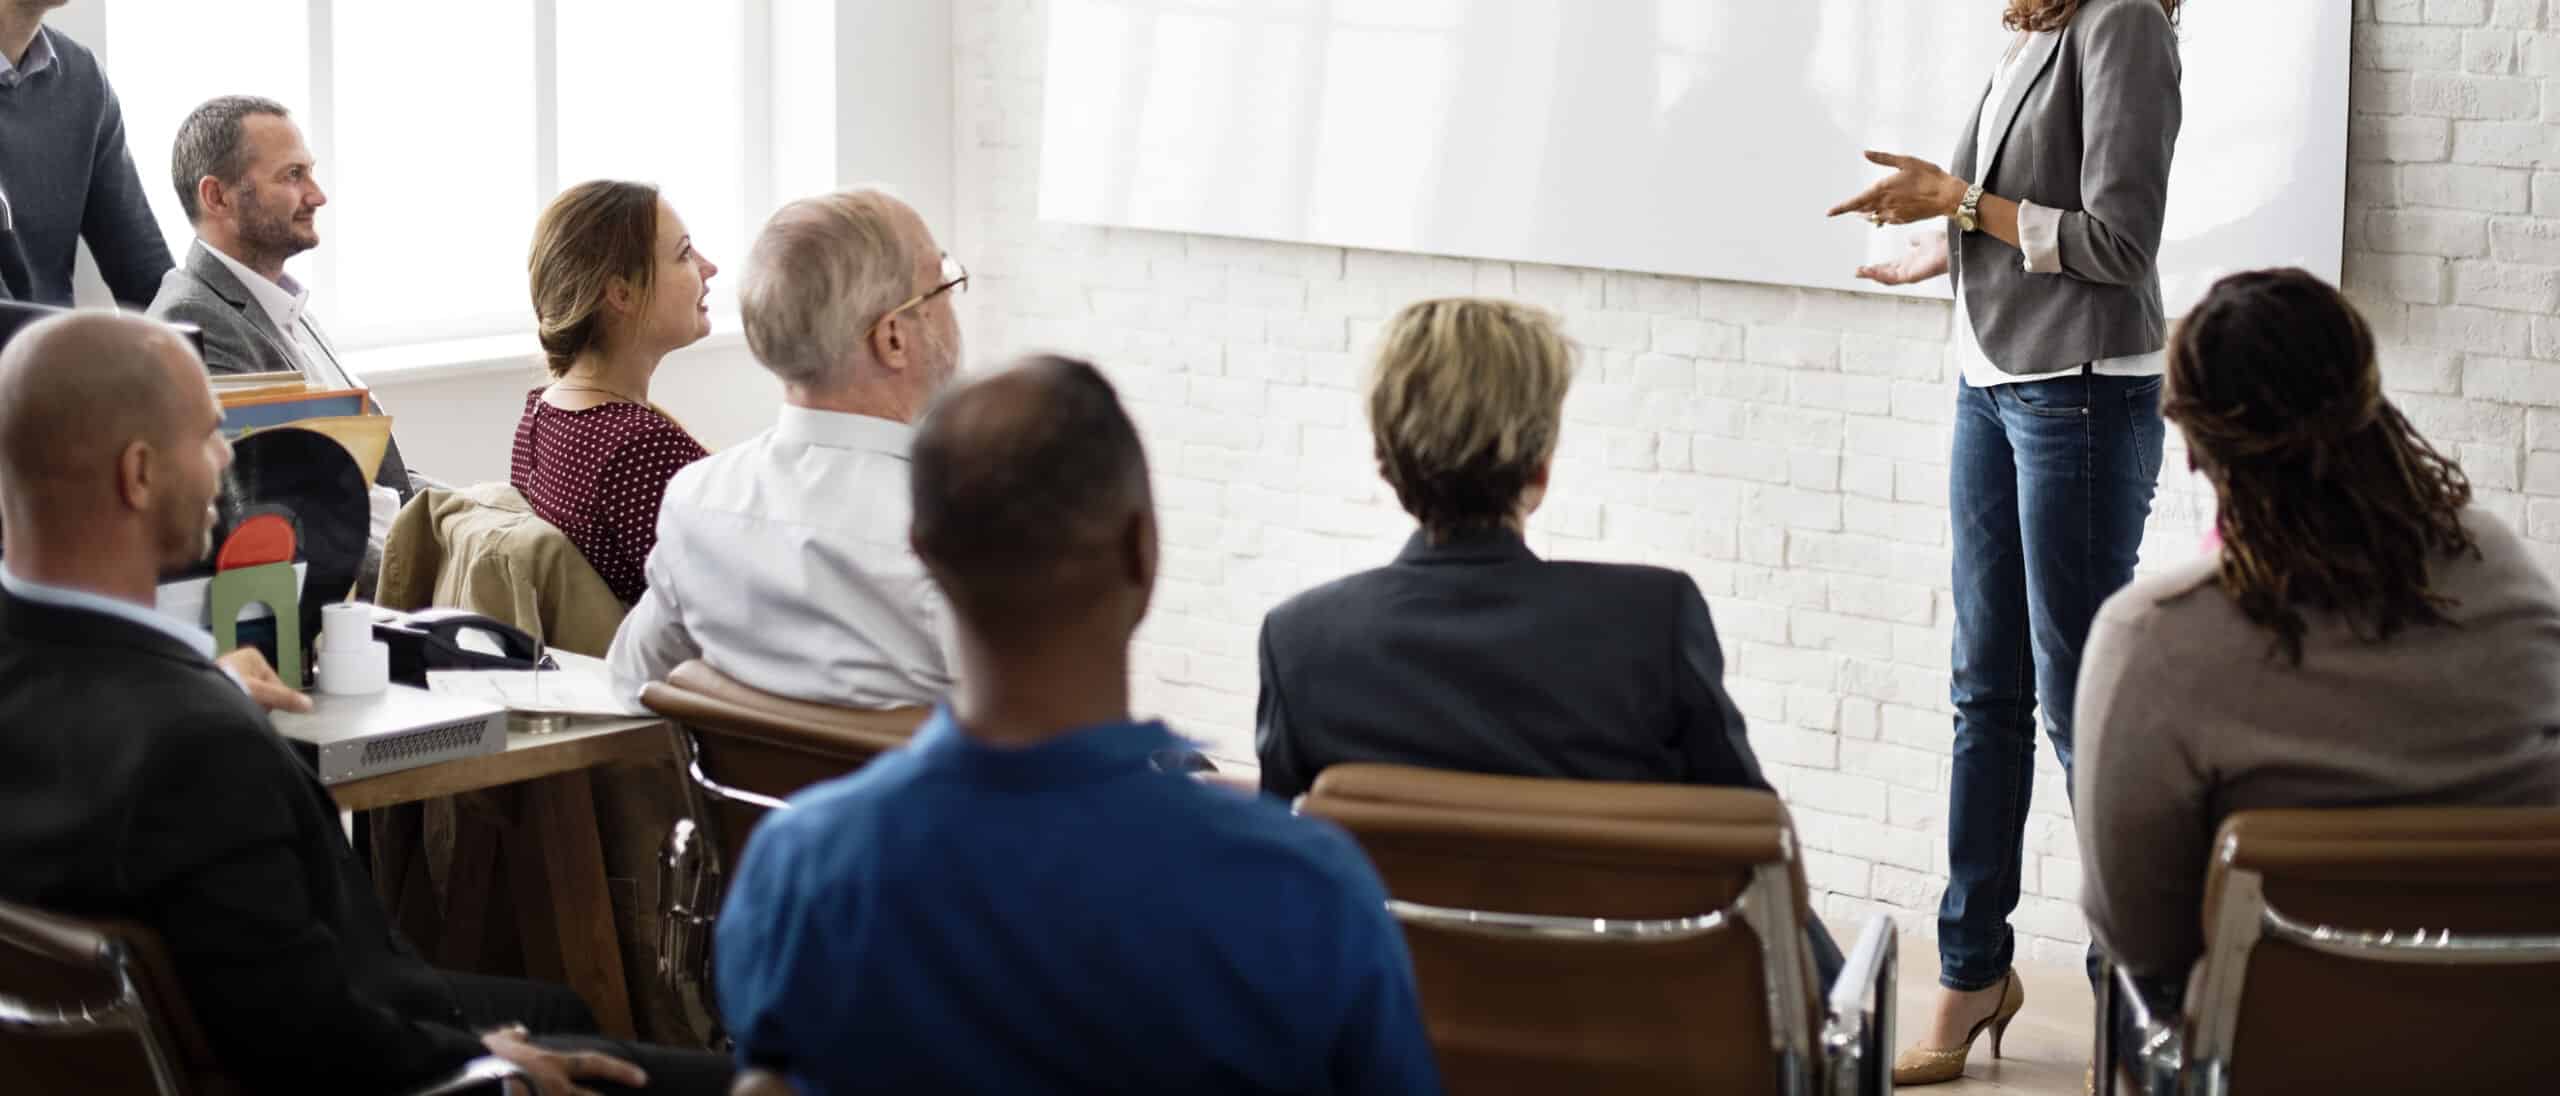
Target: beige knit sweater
pixel 2186 716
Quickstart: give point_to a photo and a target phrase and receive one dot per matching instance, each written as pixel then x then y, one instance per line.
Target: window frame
pixel 319 117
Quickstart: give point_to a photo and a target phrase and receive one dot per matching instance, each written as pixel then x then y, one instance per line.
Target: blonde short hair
pixel 1465 404
pixel 823 271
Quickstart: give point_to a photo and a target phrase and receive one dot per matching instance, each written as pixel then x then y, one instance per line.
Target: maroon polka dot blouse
pixel 598 474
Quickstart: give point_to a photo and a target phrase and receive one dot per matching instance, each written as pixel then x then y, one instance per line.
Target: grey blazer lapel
pixel 2039 50
pixel 219 279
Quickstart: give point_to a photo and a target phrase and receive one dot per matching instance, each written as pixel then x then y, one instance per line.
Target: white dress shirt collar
pixel 283 301
pixel 64 597
pixel 783 562
pixel 838 430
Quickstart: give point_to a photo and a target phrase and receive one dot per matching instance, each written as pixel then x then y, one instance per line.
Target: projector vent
pixel 421 745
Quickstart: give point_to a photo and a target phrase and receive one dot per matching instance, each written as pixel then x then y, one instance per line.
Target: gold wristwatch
pixel 1969 215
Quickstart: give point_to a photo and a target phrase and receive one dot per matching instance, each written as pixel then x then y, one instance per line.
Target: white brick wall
pixel 1786 447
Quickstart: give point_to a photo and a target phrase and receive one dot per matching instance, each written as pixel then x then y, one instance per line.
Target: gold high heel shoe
pixel 1935 1065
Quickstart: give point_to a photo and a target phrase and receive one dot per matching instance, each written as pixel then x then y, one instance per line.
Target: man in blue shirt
pixel 1031 897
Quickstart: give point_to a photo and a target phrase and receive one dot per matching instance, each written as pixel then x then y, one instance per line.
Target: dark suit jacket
pixel 137 782
pixel 16 283
pixel 239 336
pixel 1476 655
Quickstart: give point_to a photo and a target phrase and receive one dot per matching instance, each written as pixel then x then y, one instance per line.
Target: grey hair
pixel 210 142
pixel 823 271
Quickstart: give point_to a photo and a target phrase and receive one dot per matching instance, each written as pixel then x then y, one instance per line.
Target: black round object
pixel 313 481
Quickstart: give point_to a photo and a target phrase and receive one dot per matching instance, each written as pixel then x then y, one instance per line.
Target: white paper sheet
pixel 561 692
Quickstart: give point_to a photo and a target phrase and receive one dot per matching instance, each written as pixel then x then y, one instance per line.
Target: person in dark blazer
pixel 140 780
pixel 1468 651
pixel 2053 207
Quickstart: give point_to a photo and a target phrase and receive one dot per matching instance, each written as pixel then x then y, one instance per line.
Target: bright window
pixel 432 155
pixel 264 48
pixel 442 129
pixel 650 90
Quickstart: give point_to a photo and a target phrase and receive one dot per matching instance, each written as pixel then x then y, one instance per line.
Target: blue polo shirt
pixel 958 917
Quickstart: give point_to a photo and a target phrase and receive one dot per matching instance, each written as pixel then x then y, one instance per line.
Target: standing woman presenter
pixel 2053 210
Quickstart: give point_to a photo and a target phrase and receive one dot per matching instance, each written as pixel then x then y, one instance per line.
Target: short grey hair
pixel 211 142
pixel 823 271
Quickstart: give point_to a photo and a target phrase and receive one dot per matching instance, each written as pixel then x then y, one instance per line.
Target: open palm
pixel 1926 259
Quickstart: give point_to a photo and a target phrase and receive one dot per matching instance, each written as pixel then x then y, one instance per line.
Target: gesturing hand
pixel 555 1073
pixel 259 680
pixel 1926 259
pixel 1916 191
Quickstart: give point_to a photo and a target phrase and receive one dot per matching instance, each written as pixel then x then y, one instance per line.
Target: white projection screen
pixel 1690 137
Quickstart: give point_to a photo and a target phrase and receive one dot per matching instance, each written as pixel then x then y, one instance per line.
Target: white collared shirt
pixel 783 562
pixel 286 303
pixel 2039 237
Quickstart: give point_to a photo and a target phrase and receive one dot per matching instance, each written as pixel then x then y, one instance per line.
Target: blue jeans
pixel 2048 487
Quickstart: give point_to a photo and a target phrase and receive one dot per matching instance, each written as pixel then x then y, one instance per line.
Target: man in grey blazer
pixel 244 178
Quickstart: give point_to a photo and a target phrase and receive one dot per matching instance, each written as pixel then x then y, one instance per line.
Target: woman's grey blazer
pixel 2086 130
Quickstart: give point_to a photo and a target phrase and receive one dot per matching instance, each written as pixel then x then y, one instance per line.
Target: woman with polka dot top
pixel 616 286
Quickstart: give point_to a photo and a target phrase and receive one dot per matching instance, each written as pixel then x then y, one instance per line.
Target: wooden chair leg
pixel 564 910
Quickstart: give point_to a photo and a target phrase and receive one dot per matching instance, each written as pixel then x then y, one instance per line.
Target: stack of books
pixel 252 401
pixel 261 401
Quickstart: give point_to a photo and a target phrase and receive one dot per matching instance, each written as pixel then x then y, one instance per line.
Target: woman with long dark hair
pixel 2363 636
pixel 2054 207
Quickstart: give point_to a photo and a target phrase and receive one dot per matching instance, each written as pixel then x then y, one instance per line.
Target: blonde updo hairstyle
pixel 591 235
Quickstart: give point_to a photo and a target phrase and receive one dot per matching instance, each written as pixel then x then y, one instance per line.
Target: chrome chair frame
pixel 690 881
pixel 2191 1055
pixel 127 1012
pixel 124 1012
pixel 1852 1049
pixel 1857 1030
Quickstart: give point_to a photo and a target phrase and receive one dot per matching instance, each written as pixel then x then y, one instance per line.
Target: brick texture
pixel 1786 447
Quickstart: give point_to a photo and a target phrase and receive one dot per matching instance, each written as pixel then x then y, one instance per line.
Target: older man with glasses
pixel 783 562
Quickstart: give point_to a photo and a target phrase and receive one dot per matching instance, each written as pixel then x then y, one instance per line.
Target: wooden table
pixel 571 937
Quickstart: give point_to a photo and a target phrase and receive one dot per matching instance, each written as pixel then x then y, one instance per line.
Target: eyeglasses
pixel 954 277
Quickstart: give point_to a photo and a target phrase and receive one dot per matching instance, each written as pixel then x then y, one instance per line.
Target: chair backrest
pixel 2387 950
pixel 86 1007
pixel 1575 936
pixel 750 750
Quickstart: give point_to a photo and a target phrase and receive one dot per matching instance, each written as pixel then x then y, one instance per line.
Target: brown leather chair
pixel 94 1007
pixel 744 752
pixel 2406 949
pixel 1572 936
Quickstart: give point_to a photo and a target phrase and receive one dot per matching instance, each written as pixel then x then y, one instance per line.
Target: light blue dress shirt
pixel 63 597
pixel 39 57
